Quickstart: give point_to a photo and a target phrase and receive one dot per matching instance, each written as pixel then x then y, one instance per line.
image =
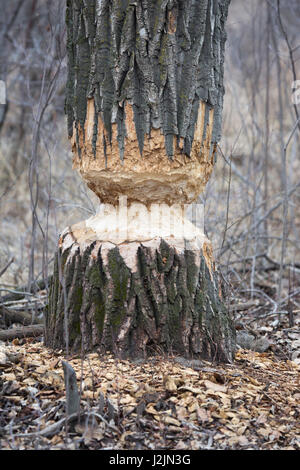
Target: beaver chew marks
pixel 148 178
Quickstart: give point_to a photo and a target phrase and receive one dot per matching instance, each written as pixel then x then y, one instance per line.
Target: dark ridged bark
pixel 162 56
pixel 170 303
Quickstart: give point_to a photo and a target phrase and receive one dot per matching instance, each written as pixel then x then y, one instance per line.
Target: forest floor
pixel 160 403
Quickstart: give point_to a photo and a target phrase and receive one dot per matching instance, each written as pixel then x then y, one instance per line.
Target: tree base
pixel 137 298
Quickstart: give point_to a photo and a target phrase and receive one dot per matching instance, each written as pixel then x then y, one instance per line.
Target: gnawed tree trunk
pixel 144 104
pixel 138 298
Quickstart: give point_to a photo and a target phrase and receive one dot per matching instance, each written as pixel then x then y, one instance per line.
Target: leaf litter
pixel 160 403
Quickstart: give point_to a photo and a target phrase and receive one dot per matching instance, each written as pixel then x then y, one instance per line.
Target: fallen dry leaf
pixel 173 421
pixel 169 383
pixel 156 403
pixel 215 387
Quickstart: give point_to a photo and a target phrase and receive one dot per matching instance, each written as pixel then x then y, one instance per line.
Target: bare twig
pixel 50 430
pixel 6 267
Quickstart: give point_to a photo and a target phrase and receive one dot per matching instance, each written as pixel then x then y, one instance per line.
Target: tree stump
pixel 138 297
pixel 144 104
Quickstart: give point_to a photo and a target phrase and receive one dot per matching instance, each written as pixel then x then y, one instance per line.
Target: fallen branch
pixel 109 425
pixel 55 428
pixel 22 332
pixel 244 306
pixel 276 266
pixel 51 430
pixel 21 292
pixel 13 316
pixel 26 304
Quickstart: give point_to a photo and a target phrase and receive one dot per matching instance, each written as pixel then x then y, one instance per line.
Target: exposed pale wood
pixel 149 179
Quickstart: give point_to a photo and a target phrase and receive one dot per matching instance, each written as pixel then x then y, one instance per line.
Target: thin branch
pixel 6 267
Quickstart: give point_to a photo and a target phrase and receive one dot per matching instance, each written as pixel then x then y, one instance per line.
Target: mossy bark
pixel 170 302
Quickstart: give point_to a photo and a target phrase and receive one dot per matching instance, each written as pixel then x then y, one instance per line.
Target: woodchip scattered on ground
pixel 160 403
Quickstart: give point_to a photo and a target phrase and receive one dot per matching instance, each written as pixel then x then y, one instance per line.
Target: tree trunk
pixel 144 104
pixel 138 298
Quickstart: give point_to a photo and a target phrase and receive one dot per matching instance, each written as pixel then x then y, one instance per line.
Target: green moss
pixel 162 60
pixel 199 306
pixel 191 275
pixel 171 286
pixel 74 309
pixel 74 331
pixel 183 98
pixel 120 275
pixel 174 325
pixel 97 284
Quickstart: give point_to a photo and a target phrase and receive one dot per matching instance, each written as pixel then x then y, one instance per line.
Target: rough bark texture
pixel 144 104
pixel 163 57
pixel 138 299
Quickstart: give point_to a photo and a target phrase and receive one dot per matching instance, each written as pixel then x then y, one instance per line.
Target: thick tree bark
pixel 163 56
pixel 145 79
pixel 144 105
pixel 138 298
